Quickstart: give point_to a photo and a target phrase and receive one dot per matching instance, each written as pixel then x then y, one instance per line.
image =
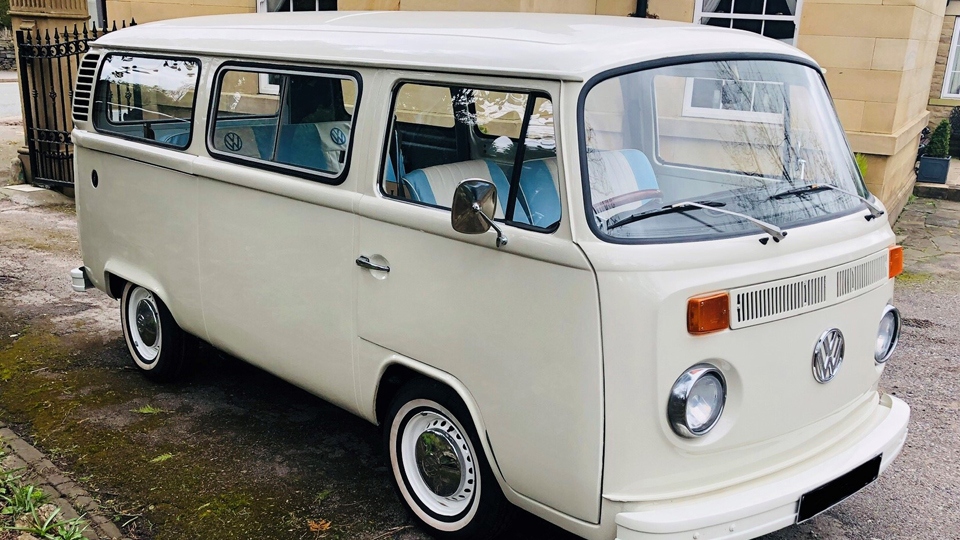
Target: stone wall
pixel 8 56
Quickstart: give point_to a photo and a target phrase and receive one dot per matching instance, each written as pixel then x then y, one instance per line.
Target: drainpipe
pixel 641 9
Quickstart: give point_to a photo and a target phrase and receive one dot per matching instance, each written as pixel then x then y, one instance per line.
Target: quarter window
pixel 775 19
pixel 442 135
pixel 306 125
pixel 147 99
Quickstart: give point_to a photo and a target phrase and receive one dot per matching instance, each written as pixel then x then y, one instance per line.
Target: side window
pixel 148 99
pixel 306 124
pixel 442 135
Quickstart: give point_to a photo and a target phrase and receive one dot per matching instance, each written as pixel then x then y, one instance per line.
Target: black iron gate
pixel 48 68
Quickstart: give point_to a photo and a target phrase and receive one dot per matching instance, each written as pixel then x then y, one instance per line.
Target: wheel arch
pixel 398 371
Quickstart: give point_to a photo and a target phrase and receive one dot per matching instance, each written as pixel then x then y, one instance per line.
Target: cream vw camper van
pixel 623 274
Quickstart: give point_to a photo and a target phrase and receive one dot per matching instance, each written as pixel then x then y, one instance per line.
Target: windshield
pixel 732 135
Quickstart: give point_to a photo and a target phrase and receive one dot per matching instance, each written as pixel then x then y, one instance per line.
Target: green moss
pixel 913 277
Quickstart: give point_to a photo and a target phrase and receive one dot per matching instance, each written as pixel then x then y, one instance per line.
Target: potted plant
pixel 935 162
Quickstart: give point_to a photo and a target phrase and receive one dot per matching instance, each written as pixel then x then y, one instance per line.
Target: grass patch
pixel 24 508
pixel 148 409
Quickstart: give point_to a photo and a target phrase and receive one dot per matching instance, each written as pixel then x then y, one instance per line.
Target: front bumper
pixel 769 505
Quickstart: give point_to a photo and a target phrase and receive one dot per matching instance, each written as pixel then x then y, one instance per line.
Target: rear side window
pixel 442 135
pixel 147 98
pixel 299 121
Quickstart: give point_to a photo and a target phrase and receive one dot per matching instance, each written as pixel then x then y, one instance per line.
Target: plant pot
pixel 933 170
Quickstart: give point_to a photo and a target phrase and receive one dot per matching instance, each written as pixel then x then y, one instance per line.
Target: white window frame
pixel 948 69
pixel 700 14
pixel 725 114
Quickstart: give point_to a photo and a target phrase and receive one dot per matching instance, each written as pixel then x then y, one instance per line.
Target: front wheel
pixel 160 349
pixel 439 468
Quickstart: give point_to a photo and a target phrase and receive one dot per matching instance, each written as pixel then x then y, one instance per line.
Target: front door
pixel 517 325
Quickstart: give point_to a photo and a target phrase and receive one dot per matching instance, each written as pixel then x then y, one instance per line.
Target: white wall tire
pixel 159 348
pixel 439 469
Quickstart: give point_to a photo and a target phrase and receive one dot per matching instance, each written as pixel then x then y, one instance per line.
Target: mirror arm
pixel 501 238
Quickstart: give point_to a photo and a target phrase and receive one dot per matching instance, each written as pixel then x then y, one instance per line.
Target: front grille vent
pixel 779 299
pixel 84 90
pixel 862 275
pixel 775 300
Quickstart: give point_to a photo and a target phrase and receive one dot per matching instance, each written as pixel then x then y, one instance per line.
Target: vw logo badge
pixel 232 141
pixel 338 136
pixel 828 355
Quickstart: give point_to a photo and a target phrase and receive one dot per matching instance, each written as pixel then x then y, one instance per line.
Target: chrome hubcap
pixel 440 462
pixel 148 323
pixel 143 323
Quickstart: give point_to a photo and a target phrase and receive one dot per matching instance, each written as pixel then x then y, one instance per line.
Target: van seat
pixel 620 178
pixel 539 190
pixel 242 141
pixel 435 185
pixel 300 145
pixel 177 139
pixel 334 137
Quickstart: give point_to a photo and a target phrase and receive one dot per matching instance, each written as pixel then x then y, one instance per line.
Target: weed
pixel 23 500
pixel 161 458
pixel 148 409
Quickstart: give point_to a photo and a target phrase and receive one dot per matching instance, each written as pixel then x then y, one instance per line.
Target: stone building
pixel 878 55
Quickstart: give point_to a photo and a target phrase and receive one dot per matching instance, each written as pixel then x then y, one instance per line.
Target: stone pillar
pixel 45 16
pixel 879 58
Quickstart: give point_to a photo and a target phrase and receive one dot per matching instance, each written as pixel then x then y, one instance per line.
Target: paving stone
pixel 49 490
pixel 107 527
pixel 56 479
pixel 7 435
pixel 936 220
pixel 23 449
pixel 90 534
pixel 44 467
pixel 13 463
pixel 66 511
pixel 71 491
pixel 86 504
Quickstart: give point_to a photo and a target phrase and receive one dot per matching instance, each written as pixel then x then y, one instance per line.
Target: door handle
pixel 364 262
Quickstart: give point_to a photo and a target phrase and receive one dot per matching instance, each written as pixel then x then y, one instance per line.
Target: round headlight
pixel 888 335
pixel 696 401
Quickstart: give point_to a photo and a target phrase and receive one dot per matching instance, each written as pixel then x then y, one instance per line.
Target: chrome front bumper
pixel 79 280
pixel 766 506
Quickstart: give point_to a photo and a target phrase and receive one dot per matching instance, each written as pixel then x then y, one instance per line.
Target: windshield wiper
pixel 875 210
pixel 775 232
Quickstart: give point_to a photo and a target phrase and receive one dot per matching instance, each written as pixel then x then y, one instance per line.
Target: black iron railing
pixel 48 76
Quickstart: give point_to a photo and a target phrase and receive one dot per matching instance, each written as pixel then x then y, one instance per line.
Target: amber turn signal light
pixel 896 261
pixel 708 313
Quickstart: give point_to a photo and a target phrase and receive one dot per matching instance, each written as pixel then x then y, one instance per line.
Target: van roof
pixel 543 45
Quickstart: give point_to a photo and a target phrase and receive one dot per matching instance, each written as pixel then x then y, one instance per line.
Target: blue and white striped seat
pixel 620 180
pixel 435 185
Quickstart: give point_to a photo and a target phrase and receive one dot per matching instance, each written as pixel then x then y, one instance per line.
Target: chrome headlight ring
pixel 679 401
pixel 889 320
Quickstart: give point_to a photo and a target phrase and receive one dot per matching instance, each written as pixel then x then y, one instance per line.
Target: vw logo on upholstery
pixel 338 136
pixel 232 141
pixel 828 355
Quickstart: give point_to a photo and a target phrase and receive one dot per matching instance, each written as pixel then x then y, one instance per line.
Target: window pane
pixel 305 5
pixel 309 129
pixel 954 86
pixel 781 7
pixel 748 25
pixel 147 98
pixel 278 5
pixel 716 6
pixel 754 7
pixel 429 154
pixel 782 30
pixel 716 21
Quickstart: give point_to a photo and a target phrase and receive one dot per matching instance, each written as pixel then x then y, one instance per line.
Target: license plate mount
pixel 821 499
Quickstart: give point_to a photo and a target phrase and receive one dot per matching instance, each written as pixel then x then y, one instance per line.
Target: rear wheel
pixel 439 468
pixel 160 349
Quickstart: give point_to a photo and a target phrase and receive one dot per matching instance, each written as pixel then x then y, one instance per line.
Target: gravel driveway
pixel 235 453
